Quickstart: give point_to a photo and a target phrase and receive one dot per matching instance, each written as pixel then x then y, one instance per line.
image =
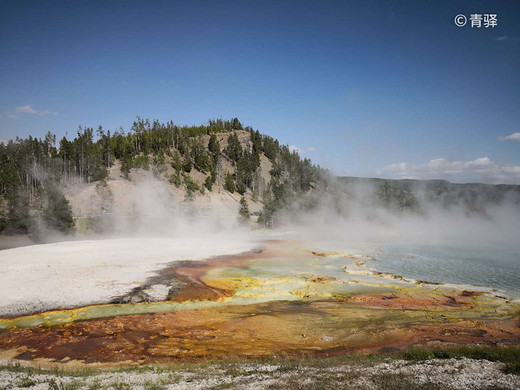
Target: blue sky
pixel 367 88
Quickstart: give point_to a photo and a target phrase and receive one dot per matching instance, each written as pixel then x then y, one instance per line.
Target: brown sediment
pixel 467 293
pixel 186 276
pixel 250 331
pixel 320 279
pixel 387 274
pixel 358 257
pixel 427 282
pixel 493 333
pixel 413 302
pixel 357 323
pixel 192 272
pixel 320 254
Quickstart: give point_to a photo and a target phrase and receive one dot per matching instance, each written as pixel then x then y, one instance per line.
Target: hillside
pixel 420 195
pixel 157 175
pixel 117 196
pixel 99 183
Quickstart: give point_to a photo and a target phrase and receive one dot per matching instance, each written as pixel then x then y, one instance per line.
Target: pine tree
pixel 234 150
pixel 201 160
pixel 18 217
pixel 208 183
pixel 235 124
pixel 58 214
pixel 243 211
pixel 214 147
pixel 229 183
pixel 187 165
pixel 177 162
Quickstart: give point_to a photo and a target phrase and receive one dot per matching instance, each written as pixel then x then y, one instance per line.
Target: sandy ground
pixel 460 374
pixel 78 273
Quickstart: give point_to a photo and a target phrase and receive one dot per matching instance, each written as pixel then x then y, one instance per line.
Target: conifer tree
pixel 229 183
pixel 214 147
pixel 58 214
pixel 234 150
pixel 243 211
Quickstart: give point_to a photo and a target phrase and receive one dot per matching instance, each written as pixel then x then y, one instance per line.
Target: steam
pixel 352 213
pixel 127 232
pixel 346 212
pixel 144 224
pixel 147 206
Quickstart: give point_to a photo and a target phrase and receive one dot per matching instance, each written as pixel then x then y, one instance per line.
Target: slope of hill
pixel 156 170
pixel 158 173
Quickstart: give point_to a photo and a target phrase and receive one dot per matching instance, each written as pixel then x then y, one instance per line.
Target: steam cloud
pixel 469 219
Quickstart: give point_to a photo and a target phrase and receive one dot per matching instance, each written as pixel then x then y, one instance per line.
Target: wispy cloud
pixel 508 38
pixel 301 151
pixel 482 169
pixel 29 110
pixel 169 83
pixel 515 137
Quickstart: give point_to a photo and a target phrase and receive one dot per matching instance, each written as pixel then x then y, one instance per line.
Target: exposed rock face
pixel 105 205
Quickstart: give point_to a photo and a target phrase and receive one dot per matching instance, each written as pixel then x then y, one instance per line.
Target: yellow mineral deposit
pixel 283 301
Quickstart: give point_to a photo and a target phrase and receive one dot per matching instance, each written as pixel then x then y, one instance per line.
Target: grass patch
pixel 56 371
pixel 95 385
pixel 323 380
pixel 26 382
pixel 401 381
pixel 508 355
pixel 494 354
pixel 154 385
pixel 61 385
pixel 223 386
pixel 512 368
pixel 61 380
pixel 120 386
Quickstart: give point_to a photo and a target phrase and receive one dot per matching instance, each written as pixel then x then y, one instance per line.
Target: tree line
pixel 33 171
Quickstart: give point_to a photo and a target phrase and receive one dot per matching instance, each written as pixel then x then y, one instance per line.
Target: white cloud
pixel 508 38
pixel 302 151
pixel 511 137
pixel 26 109
pixel 29 110
pixel 482 170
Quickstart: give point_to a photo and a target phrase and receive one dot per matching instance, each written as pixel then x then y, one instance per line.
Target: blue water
pixel 489 267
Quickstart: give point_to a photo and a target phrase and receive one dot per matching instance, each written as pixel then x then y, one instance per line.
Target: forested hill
pixel 419 195
pixel 49 185
pixel 195 160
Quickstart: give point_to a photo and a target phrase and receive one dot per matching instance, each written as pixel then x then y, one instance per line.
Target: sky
pixel 363 88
